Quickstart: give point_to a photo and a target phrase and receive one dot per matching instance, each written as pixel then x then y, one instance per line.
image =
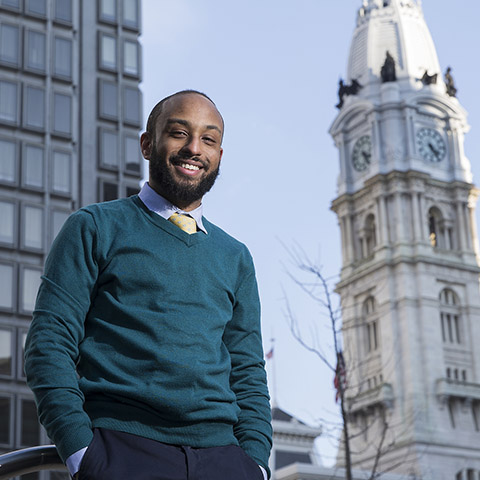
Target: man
pixel 144 353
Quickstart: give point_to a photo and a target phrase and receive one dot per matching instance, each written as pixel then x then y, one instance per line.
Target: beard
pixel 174 189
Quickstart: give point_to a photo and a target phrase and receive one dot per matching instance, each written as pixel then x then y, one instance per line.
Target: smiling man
pixel 145 353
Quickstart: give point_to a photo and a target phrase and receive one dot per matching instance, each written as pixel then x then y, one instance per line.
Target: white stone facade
pixel 410 277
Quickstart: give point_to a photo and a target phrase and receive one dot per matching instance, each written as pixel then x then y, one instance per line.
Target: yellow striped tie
pixel 184 222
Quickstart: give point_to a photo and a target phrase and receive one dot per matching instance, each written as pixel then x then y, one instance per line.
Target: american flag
pixel 340 375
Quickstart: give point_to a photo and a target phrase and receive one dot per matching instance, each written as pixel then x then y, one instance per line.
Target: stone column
pixel 461 227
pixel 417 228
pixel 423 219
pixel 349 238
pixel 383 219
pixel 472 233
pixel 400 230
pixel 343 238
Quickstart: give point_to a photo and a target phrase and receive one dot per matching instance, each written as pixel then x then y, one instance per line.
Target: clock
pixel 431 145
pixel 362 153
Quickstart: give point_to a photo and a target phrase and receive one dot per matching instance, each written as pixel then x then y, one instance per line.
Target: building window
pixel 7 282
pixel 451 412
pixel 32 167
pixel 7 223
pixel 58 219
pixel 11 4
pixel 30 282
pixel 108 52
pixel 6 339
pixel 62 114
pixel 440 232
pixel 450 328
pixel 370 325
pixel 6 421
pixel 131 106
pixel 131 190
pixel 35 53
pixel 108 148
pixel 130 14
pixel 61 182
pixel 108 191
pixel 62 65
pixel 34 108
pixel 476 415
pixel 132 154
pixel 32 227
pixel 450 319
pixel 36 7
pixel 8 161
pixel 8 102
pixel 108 100
pixel 63 10
pixel 9 45
pixel 130 58
pixel 108 11
pixel 29 426
pixel 22 337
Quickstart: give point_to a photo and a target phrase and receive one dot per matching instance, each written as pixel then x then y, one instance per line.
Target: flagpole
pixel 274 373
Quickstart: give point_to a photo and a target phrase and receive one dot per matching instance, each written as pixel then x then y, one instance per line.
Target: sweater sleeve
pixel 248 378
pixel 52 345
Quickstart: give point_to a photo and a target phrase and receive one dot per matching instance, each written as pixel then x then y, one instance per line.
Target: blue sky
pixel 272 67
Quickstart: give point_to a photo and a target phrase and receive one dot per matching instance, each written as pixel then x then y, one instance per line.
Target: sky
pixel 272 67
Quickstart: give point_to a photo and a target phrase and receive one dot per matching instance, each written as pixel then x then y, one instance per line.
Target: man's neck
pixel 185 206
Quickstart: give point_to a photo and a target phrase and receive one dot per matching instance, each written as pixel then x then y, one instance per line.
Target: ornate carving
pixel 429 79
pixel 450 84
pixel 388 69
pixel 343 90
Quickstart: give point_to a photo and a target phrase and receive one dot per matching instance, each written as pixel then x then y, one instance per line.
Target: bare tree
pixel 317 287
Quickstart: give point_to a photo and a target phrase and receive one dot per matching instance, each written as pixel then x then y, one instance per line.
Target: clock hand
pixel 366 156
pixel 433 149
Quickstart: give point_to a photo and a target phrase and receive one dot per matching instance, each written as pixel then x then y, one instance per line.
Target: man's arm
pixel 248 378
pixel 51 349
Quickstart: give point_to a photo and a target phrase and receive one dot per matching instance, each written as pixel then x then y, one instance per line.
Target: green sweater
pixel 142 328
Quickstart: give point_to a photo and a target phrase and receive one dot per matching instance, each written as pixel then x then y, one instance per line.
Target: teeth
pixel 190 167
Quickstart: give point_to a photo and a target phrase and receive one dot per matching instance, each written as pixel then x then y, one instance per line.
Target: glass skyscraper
pixel 70 114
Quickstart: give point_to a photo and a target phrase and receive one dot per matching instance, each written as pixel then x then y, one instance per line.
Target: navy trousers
pixel 116 455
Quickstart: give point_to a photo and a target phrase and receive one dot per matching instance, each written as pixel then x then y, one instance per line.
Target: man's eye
pixel 177 133
pixel 209 140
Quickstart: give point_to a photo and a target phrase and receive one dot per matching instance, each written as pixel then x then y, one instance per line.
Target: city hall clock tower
pixel 409 283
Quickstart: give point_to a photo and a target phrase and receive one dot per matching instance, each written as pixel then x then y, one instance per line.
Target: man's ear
pixel 146 145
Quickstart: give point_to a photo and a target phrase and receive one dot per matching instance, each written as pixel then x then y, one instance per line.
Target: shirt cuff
pixel 265 476
pixel 74 460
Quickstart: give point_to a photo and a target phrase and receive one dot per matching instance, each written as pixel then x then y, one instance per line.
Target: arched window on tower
pixel 450 318
pixel 370 322
pixel 439 229
pixel 370 238
pixel 435 228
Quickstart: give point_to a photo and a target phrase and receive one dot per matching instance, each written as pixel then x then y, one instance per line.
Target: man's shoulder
pixel 114 209
pixel 226 240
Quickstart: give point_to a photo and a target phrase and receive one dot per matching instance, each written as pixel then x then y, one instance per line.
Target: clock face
pixel 431 145
pixel 362 153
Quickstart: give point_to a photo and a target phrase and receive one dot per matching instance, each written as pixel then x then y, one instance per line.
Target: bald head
pixel 159 107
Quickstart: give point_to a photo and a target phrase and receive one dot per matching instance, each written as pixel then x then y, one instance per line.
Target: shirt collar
pixel 161 206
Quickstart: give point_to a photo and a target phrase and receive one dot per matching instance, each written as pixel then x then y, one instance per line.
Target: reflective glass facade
pixel 70 111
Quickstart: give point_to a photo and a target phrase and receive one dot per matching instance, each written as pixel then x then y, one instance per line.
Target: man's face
pixel 186 150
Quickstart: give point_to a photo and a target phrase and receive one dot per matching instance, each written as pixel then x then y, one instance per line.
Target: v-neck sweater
pixel 143 328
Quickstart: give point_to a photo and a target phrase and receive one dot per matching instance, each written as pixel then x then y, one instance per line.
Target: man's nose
pixel 193 146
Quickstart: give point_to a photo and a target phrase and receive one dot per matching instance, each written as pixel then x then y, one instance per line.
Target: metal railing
pixel 29 460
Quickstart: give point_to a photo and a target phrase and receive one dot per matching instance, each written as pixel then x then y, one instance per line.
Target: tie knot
pixel 184 222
